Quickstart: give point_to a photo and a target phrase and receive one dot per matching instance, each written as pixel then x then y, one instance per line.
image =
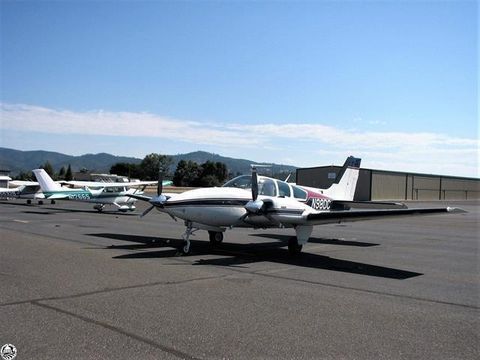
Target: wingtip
pixel 455 210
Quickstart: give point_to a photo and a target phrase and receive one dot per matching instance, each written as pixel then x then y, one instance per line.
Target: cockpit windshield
pixel 266 186
pixel 241 182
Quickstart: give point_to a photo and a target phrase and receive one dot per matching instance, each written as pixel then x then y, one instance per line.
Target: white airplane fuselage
pixel 102 197
pixel 225 207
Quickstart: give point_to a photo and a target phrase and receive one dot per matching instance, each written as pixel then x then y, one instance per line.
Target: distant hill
pixel 235 166
pixel 17 161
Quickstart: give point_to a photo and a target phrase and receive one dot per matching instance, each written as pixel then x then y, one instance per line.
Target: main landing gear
pixel 216 237
pixel 99 207
pixel 294 248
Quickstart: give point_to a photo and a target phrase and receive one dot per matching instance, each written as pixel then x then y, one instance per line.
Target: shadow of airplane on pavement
pixel 233 254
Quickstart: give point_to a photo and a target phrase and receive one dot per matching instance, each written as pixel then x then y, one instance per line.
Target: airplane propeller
pixel 254 183
pixel 254 206
pixel 159 200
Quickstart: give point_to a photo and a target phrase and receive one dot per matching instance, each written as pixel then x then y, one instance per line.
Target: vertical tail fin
pixel 343 188
pixel 45 181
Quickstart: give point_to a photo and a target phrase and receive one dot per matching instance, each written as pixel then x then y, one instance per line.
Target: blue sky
pixel 303 83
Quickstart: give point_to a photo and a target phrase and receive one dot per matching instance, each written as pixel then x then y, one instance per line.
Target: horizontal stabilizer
pixel 58 196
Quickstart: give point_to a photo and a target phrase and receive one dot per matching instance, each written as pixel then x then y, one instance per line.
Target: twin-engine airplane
pixel 99 193
pixel 261 202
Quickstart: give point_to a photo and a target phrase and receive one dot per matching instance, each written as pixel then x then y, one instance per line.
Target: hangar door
pixel 388 186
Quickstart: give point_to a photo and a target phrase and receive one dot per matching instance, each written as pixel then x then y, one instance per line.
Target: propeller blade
pixel 254 183
pixel 160 183
pixel 147 211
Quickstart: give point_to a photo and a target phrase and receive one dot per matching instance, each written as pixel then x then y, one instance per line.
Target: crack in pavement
pixel 168 349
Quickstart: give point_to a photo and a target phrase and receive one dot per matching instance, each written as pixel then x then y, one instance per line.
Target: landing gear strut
pixel 99 207
pixel 216 237
pixel 294 248
pixel 185 249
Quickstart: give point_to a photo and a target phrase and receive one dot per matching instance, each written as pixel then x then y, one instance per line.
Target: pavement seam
pixel 108 290
pixel 235 270
pixel 172 351
pixel 270 275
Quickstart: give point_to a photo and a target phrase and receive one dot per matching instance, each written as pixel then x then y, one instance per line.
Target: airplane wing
pixel 97 184
pixel 332 217
pixel 23 183
pixel 345 205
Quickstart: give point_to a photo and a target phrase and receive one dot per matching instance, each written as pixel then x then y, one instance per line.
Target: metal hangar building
pixel 392 185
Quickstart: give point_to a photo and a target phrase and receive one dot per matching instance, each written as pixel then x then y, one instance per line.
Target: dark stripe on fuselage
pixel 207 202
pixel 227 203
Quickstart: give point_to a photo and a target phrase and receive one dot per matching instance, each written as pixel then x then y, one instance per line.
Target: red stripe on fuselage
pixel 315 195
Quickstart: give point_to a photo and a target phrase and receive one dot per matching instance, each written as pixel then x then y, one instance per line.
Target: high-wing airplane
pixel 10 193
pixel 271 203
pixel 29 190
pixel 99 193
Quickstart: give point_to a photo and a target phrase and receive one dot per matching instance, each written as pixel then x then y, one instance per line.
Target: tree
pixel 208 181
pixel 153 163
pixel 61 173
pixel 25 176
pixel 186 174
pixel 68 174
pixel 48 168
pixel 130 170
pixel 213 174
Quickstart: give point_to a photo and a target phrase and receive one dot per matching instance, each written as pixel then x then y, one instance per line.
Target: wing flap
pixel 345 205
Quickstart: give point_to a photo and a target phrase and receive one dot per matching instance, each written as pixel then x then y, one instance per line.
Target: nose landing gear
pixel 185 249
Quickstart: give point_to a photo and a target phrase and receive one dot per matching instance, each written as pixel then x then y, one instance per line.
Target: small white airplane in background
pixel 272 203
pixel 99 193
pixel 29 190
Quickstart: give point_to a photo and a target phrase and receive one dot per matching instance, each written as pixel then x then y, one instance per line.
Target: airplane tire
pixel 293 247
pixel 216 237
pixel 29 202
pixel 40 202
pixel 52 202
pixel 185 249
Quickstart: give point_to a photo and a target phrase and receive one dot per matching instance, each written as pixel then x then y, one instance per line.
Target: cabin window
pixel 299 193
pixel 283 189
pixel 267 187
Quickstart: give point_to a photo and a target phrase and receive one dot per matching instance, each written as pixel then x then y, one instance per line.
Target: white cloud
pixel 33 118
pixel 301 144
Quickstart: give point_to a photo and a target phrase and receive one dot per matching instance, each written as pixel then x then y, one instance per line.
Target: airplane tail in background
pixel 343 188
pixel 45 181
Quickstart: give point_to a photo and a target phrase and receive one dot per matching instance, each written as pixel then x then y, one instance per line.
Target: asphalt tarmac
pixel 77 284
